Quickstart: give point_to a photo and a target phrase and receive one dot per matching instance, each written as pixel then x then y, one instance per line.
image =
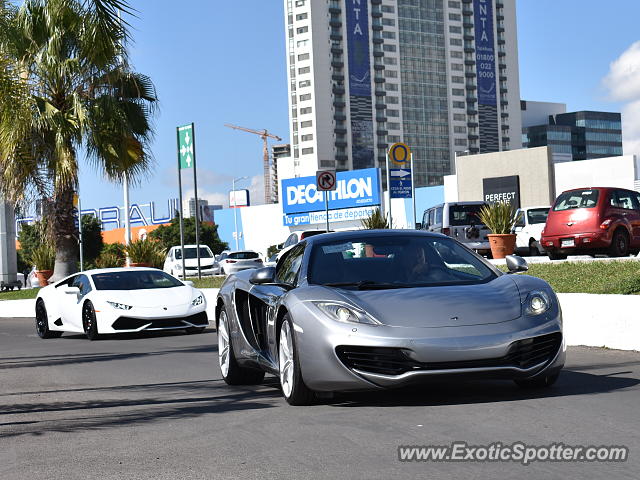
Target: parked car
pixel 218 260
pixel 173 262
pixel 528 226
pixel 271 261
pixel 593 220
pixel 365 310
pixel 237 261
pixel 459 220
pixel 119 300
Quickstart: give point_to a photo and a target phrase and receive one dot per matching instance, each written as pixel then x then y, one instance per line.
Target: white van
pixel 528 228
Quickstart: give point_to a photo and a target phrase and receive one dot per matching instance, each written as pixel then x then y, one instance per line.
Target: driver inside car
pixel 417 268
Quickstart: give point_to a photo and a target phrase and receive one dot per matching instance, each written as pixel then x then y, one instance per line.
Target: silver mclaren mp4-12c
pixel 379 309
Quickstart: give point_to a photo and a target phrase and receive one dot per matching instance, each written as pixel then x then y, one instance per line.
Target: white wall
pixel 450 188
pixel 600 172
pixel 262 226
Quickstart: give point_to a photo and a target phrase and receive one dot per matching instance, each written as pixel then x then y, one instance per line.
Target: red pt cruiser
pixel 593 220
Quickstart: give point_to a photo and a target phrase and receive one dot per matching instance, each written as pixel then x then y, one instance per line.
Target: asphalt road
pixel 154 407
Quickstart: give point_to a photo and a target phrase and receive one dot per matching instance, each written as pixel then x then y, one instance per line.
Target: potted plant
pixel 145 253
pixel 44 258
pixel 499 218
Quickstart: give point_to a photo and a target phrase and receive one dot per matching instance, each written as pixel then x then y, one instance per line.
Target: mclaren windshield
pixel 378 262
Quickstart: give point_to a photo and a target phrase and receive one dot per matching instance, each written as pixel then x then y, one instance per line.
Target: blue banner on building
pixel 354 189
pixel 357 13
pixel 486 70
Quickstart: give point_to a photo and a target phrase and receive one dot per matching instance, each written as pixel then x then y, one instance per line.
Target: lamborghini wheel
pixel 232 373
pixel 89 321
pixel 293 387
pixel 42 322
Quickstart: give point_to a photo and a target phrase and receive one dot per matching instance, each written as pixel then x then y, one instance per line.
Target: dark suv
pixel 593 220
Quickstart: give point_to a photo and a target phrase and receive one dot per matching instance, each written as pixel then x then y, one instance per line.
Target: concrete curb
pixel 591 320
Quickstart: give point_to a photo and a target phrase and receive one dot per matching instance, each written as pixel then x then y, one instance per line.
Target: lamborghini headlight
pixel 119 306
pixel 346 313
pixel 197 301
pixel 537 303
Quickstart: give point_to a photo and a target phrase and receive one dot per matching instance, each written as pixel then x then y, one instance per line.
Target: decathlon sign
pixel 354 189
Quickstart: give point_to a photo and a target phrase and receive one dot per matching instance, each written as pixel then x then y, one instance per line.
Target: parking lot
pixel 153 406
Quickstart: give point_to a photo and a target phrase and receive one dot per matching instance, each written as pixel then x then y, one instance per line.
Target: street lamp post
pixel 235 213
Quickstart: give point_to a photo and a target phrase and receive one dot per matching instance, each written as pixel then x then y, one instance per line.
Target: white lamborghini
pixel 119 300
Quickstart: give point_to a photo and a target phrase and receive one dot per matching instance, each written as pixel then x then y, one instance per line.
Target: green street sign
pixel 186 147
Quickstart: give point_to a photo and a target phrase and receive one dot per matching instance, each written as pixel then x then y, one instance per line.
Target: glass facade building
pixel 438 75
pixel 584 135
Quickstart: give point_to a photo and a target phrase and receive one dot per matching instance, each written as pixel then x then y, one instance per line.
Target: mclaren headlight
pixel 197 301
pixel 344 313
pixel 537 303
pixel 119 306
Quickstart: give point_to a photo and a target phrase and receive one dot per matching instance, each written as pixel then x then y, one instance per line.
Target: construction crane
pixel 265 152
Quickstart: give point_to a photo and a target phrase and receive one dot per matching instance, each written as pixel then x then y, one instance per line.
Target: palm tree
pixel 66 90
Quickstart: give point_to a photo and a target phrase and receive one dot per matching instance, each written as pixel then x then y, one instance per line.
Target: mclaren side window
pixel 288 267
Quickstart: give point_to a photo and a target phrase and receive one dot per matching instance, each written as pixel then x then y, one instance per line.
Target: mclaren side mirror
pixel 516 264
pixel 263 275
pixel 72 290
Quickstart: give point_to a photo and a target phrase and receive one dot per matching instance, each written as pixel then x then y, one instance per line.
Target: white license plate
pixel 567 242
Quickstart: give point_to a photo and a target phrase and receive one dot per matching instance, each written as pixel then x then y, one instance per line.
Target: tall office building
pixel 580 135
pixel 440 75
pixel 192 207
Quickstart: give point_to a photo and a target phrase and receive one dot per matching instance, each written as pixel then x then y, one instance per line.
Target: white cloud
pixel 623 79
pixel 623 83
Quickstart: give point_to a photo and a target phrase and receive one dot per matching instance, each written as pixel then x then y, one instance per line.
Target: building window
pixel 390 22
pixel 457 92
pixel 306 124
pixel 390 61
pixel 458 105
pixel 306 96
pixel 307 151
pixel 452 4
pixel 393 113
pixel 304 29
pixel 392 100
pixel 307 138
pixel 456 42
pixel 303 56
pixel 304 83
pixel 302 43
pixel 455 29
pixel 458 67
pixel 388 9
pixel 389 35
pixel 393 138
pixel 455 79
pixel 389 47
pixel 459 117
pixel 460 142
pixel 301 16
pixel 306 110
pixel 391 74
pixel 456 54
pixel 457 129
pixel 393 126
pixel 304 70
pixel 300 3
pixel 455 17
pixel 392 87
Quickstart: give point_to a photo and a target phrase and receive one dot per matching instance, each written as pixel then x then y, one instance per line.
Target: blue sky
pixel 217 62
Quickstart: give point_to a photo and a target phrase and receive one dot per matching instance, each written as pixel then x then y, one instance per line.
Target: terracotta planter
pixel 43 277
pixel 502 245
pixel 131 264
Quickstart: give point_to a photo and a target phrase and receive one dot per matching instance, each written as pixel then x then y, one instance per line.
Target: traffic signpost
pixel 400 177
pixel 187 159
pixel 326 182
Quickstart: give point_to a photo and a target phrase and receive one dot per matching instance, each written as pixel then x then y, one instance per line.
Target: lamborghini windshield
pixel 395 262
